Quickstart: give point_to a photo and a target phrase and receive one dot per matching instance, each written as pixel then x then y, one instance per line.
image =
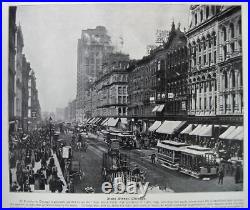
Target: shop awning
pixel 196 130
pixel 169 127
pixel 112 122
pixel 124 120
pixel 235 133
pixel 96 120
pixel 88 120
pixel 207 131
pixel 160 108
pixel 92 119
pixel 104 121
pixel 155 126
pixel 240 136
pixel 227 132
pixel 187 130
pixel 155 108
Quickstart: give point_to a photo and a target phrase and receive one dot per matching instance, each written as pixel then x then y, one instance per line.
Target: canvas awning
pixel 91 120
pixel 227 132
pixel 104 121
pixel 196 130
pixel 236 132
pixel 207 131
pixel 240 136
pixel 88 120
pixel 160 108
pixel 96 120
pixel 124 120
pixel 155 108
pixel 169 127
pixel 188 129
pixel 112 122
pixel 155 126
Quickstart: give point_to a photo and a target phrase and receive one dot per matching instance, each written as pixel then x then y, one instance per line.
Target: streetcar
pixel 198 162
pixel 169 153
pixel 126 140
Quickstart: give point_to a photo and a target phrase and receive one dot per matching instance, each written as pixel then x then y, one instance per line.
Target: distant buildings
pixel 93 45
pixel 24 106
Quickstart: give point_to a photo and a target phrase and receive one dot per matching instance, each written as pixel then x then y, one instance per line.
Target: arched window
pixel 232 30
pixel 207 11
pixel 233 79
pixel 201 15
pixel 224 33
pixel 239 26
pixel 225 52
pixel 214 40
pixel 225 79
pixel 195 19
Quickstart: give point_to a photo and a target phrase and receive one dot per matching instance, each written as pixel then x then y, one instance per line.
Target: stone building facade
pixel 93 45
pixel 18 79
pixel 158 82
pixel 109 92
pixel 12 53
pixel 25 92
pixel 215 68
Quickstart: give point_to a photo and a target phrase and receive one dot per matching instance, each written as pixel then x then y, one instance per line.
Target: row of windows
pixel 209 10
pixel 231 33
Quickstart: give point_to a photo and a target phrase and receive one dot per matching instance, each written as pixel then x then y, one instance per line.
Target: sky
pixel 51 32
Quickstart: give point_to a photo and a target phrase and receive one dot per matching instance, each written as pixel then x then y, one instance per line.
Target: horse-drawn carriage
pixel 72 167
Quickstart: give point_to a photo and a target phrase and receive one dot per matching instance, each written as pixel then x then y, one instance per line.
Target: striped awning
pixel 155 126
pixel 170 127
pixel 227 132
pixel 188 129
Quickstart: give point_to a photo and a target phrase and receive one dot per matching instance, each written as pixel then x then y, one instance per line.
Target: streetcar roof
pixel 197 150
pixel 171 147
pixel 174 143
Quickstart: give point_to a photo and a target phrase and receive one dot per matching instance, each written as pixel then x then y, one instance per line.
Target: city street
pixel 158 176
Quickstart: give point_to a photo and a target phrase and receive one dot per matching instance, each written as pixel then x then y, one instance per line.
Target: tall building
pixel 215 73
pixel 158 82
pixel 25 92
pixel 18 79
pixel 93 45
pixel 109 92
pixel 34 109
pixel 12 53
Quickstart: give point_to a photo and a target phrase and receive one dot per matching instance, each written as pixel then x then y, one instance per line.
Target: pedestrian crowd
pixel 32 165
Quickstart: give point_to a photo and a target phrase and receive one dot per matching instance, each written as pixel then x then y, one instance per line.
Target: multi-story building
pixel 34 109
pixel 93 45
pixel 12 53
pixel 109 92
pixel 215 73
pixel 171 63
pixel 18 79
pixel 25 92
pixel 158 82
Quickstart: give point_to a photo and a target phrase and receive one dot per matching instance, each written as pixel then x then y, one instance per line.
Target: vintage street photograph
pixel 133 98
